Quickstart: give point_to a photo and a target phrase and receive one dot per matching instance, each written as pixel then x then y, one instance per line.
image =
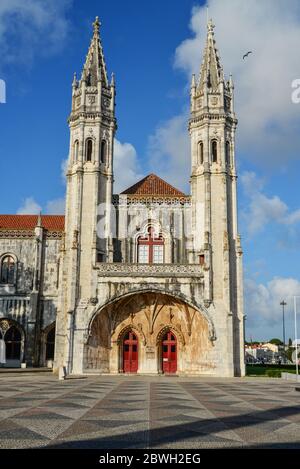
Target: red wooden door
pixel 130 353
pixel 169 353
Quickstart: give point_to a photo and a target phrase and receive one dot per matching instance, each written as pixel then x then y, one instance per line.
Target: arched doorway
pixel 14 339
pixel 169 353
pixel 108 348
pixel 13 342
pixel 50 343
pixel 130 353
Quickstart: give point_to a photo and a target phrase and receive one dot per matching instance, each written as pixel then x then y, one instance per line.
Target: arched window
pixel 151 248
pixel 214 151
pixel 200 153
pixel 227 153
pixel 8 269
pixel 103 151
pixel 76 151
pixel 89 149
pixel 13 343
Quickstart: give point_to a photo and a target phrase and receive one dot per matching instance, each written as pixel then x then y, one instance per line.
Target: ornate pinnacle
pixel 112 79
pixel 96 25
pixel 193 85
pixel 210 26
pixel 74 79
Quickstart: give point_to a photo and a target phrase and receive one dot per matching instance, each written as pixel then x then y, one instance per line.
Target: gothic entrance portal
pixel 169 353
pixel 130 353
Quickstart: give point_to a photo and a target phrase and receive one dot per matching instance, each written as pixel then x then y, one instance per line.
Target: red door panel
pixel 169 353
pixel 130 353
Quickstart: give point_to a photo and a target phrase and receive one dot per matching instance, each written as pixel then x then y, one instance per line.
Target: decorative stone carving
pixel 75 239
pixel 226 241
pixel 4 325
pixel 106 103
pixel 147 269
pixel 105 134
pixel 93 301
pixel 27 234
pixel 91 99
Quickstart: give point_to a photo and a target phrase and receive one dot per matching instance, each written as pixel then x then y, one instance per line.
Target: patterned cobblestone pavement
pixel 147 412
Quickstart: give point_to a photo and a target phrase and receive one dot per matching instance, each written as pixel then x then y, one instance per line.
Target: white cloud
pixel 126 166
pixel 31 27
pixel 63 170
pixel 261 209
pixel 169 151
pixel 268 120
pixel 56 206
pixel 29 207
pixel 262 303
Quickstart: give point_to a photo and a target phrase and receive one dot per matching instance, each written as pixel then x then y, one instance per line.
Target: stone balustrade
pixel 149 270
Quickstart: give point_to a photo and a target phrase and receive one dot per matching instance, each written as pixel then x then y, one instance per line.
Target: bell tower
pixel 92 125
pixel 216 242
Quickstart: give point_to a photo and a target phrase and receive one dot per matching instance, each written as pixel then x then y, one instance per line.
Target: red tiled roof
pixel 29 222
pixel 154 186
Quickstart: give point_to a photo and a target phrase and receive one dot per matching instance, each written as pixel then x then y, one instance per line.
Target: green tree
pixel 276 341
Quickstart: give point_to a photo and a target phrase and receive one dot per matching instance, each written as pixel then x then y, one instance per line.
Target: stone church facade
pixel 146 281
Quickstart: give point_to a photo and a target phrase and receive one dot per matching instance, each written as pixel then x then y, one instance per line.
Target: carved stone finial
pixel 210 26
pixel 96 25
pixel 74 80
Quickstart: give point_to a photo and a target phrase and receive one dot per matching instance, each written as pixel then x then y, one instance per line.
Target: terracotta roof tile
pixel 29 222
pixel 153 185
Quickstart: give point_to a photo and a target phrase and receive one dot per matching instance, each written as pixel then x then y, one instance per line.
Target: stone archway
pixel 148 315
pixel 48 345
pixel 14 338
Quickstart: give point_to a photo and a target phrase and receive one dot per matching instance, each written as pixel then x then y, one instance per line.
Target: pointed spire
pixel 39 220
pixel 112 82
pixel 211 72
pixel 193 85
pixel 74 83
pixel 94 69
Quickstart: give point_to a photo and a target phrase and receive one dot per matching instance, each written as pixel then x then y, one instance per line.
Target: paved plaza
pixel 107 412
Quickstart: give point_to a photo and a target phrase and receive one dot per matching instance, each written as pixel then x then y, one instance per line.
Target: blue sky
pixel 153 48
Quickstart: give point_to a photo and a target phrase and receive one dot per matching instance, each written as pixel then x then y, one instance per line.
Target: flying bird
pixel 246 55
